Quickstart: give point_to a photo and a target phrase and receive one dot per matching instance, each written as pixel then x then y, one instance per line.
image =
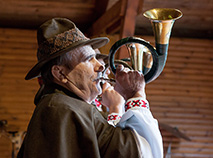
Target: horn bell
pixel 162 20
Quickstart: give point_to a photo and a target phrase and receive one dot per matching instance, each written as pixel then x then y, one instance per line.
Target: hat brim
pixel 95 43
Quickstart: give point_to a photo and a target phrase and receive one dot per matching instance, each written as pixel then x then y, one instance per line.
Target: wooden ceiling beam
pixel 129 18
pixel 112 20
pixel 110 17
pixel 128 23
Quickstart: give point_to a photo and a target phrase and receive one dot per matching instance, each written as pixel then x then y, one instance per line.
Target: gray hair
pixel 63 60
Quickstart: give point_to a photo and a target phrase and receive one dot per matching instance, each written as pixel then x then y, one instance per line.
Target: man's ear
pixel 57 72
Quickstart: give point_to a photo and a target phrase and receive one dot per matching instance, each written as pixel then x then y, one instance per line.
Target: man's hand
pixel 112 99
pixel 129 83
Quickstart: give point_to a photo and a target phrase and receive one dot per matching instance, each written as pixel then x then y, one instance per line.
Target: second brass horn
pixel 162 20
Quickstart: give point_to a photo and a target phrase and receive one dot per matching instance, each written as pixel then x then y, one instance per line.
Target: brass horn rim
pixel 163 14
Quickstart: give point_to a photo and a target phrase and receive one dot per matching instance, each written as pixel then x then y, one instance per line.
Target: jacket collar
pixel 53 88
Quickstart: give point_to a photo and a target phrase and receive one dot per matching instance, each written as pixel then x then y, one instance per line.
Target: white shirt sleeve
pixel 145 128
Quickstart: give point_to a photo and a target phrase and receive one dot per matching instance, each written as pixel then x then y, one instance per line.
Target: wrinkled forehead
pixel 86 50
pixel 82 53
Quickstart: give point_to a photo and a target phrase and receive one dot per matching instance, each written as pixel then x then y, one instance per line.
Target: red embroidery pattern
pixel 112 117
pixel 136 103
pixel 97 103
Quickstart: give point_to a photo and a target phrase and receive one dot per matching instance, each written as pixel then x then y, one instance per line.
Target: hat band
pixel 59 42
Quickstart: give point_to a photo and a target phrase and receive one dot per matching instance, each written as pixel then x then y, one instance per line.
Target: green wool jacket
pixel 65 126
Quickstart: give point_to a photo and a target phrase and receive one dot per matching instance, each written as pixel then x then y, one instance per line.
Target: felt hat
pixel 56 37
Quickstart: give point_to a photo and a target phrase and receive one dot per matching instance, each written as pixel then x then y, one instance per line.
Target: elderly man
pixel 64 123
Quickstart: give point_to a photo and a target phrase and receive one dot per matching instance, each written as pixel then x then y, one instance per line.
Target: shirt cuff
pixel 136 102
pixel 113 118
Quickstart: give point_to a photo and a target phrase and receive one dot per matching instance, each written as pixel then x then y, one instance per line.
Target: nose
pixel 99 67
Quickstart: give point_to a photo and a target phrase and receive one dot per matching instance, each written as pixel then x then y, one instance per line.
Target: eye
pixel 91 57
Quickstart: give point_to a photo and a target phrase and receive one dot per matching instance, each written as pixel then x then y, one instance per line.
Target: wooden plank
pixel 199 89
pixel 18 39
pixel 191 42
pixel 173 99
pixel 180 93
pixel 164 81
pixel 189 116
pixel 188 71
pixel 182 105
pixel 25 6
pixel 187 109
pixel 9 32
pixel 203 122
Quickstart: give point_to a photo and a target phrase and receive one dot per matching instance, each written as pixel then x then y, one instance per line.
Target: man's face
pixel 86 69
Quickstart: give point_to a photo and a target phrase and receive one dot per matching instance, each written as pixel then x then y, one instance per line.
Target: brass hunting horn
pixel 162 20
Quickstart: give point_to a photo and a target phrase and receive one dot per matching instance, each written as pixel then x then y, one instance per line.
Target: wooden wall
pixel 17 55
pixel 181 96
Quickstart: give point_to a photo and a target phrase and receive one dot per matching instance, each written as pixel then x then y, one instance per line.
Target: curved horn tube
pixel 162 20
